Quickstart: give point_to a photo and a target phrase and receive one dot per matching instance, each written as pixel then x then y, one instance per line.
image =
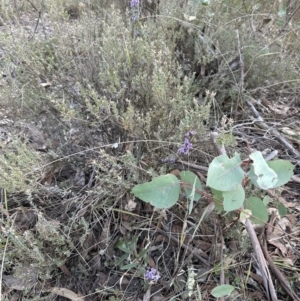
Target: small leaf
pixel 225 174
pixel 129 266
pixel 284 170
pixel 282 11
pixel 161 192
pixel 266 200
pixel 234 199
pixel 218 200
pixel 123 246
pixel 142 253
pixel 222 290
pixel 266 177
pixel 282 210
pixel 193 180
pixel 258 208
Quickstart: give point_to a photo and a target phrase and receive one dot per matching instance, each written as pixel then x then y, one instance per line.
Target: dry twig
pixel 276 272
pixel 261 123
pixel 189 249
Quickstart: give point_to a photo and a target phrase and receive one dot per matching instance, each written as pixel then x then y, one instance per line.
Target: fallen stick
pixel 276 272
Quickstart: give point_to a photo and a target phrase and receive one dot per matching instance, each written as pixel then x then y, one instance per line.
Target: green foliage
pixel 161 192
pixel 234 199
pixel 192 184
pixel 264 176
pixel 129 247
pixel 225 174
pixel 222 290
pixel 19 166
pixel 44 250
pixel 283 170
pixel 282 210
pixel 259 213
pixel 93 79
pixel 225 178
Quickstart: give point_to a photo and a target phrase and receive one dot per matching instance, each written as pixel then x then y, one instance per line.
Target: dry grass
pixel 91 103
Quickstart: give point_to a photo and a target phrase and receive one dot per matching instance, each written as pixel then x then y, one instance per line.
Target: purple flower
pixel 134 6
pixel 134 3
pixel 189 133
pixel 168 160
pixel 187 145
pixel 152 274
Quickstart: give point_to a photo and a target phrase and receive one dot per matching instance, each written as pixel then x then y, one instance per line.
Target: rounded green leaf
pixel 258 209
pixel 266 200
pixel 222 290
pixel 266 177
pixel 284 170
pixel 282 210
pixel 161 192
pixel 225 174
pixel 234 199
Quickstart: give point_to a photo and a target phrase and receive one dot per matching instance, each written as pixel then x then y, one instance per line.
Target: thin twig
pixel 222 272
pixel 189 249
pixel 38 20
pixel 263 267
pixel 288 19
pixel 192 165
pixel 276 272
pixel 261 123
pixel 242 67
pixel 2 266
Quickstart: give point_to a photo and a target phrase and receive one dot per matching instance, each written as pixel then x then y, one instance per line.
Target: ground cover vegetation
pixel 108 109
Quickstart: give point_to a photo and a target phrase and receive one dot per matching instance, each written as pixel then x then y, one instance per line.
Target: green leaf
pixel 266 200
pixel 222 290
pixel 234 199
pixel 282 210
pixel 123 246
pixel 192 179
pixel 284 170
pixel 161 192
pixel 218 200
pixel 143 253
pixel 264 176
pixel 129 266
pixel 119 261
pixel 225 174
pixel 282 11
pixel 127 246
pixel 258 209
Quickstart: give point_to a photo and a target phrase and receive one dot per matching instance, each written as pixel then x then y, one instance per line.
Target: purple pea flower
pixel 168 160
pixel 187 145
pixel 152 274
pixel 134 3
pixel 189 133
pixel 134 6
